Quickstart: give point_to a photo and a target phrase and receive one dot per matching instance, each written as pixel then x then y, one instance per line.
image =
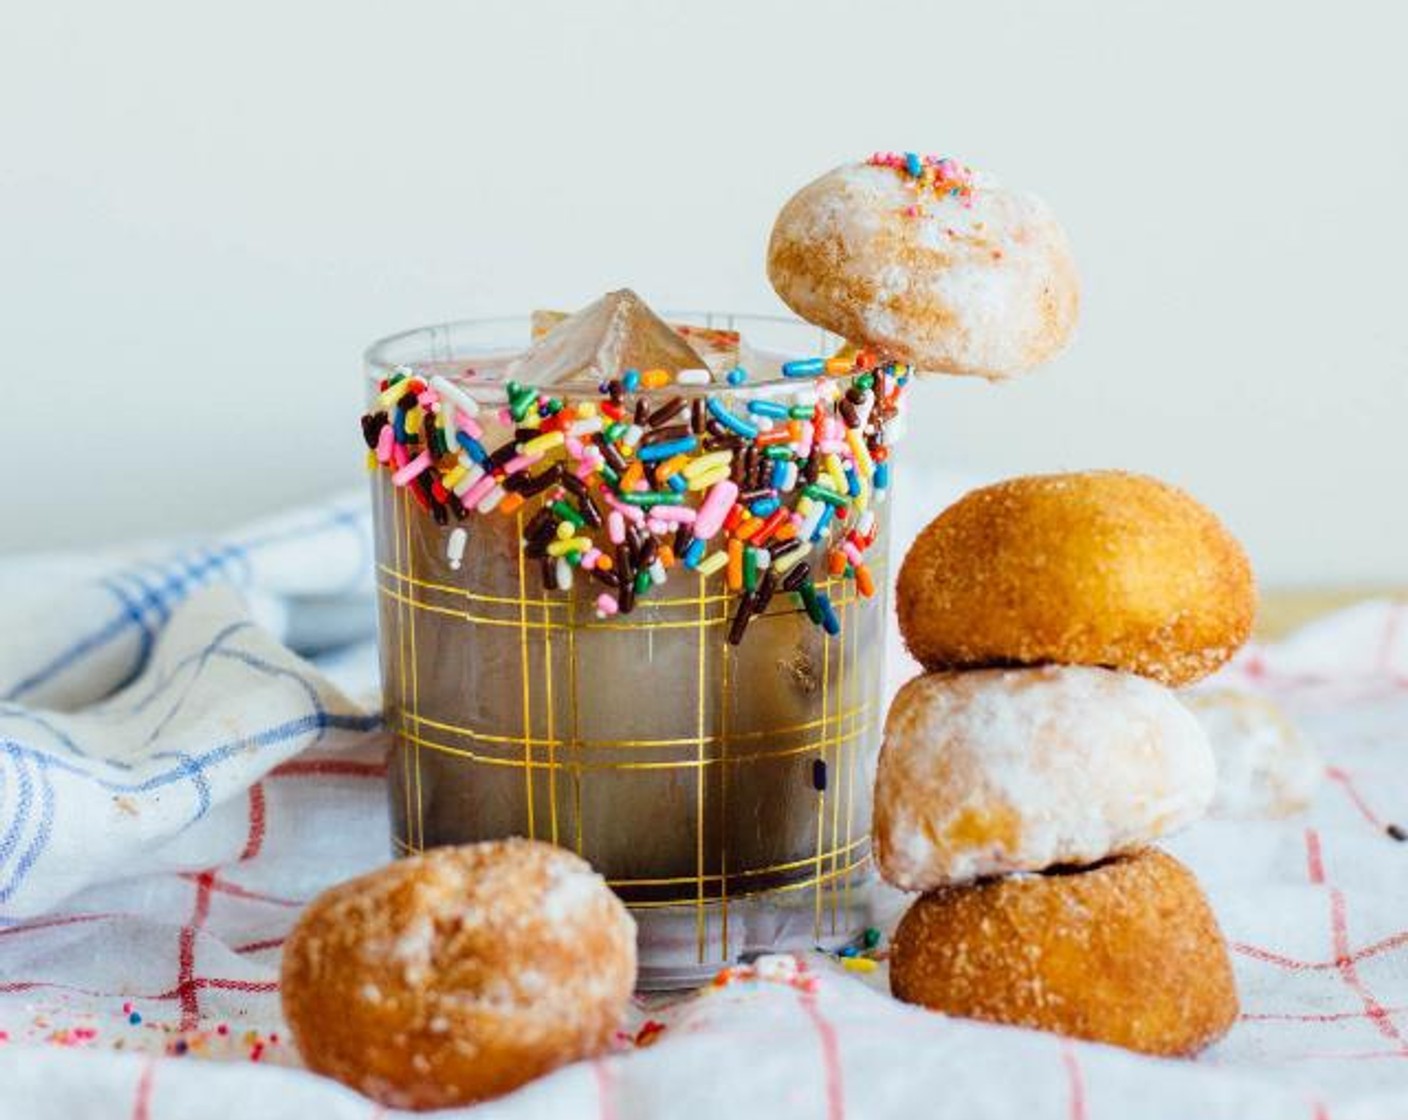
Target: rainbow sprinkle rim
pixel 636 482
pixel 939 176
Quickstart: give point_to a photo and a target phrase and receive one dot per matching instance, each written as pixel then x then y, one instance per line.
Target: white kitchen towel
pixel 175 783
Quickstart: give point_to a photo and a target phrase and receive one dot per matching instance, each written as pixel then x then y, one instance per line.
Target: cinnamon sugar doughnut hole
pixel 460 974
pixel 1126 952
pixel 1097 568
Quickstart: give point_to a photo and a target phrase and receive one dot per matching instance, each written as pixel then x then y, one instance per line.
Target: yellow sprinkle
pixel 706 463
pixel 413 418
pixel 711 563
pixel 453 479
pixel 837 473
pixel 541 445
pixel 562 548
pixel 708 478
pixel 865 465
pixel 371 460
pixel 565 530
pixel 393 394
pixel 858 964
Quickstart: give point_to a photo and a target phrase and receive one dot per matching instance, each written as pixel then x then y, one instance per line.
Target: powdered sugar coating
pixel 1265 766
pixel 981 285
pixel 1001 770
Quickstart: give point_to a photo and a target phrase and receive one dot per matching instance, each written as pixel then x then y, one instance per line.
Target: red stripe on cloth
pixel 1392 621
pixel 605 1090
pixel 1312 1017
pixel 1314 859
pixel 1320 1111
pixel 311 767
pixel 1335 774
pixel 50 923
pixel 1076 1079
pixel 261 946
pixel 187 991
pixel 223 984
pixel 234 890
pixel 830 1057
pixel 258 822
pixel 1268 957
pixel 1376 1012
pixel 142 1101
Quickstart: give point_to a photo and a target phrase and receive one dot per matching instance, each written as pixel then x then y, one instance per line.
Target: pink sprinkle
pixel 472 496
pixel 420 463
pixel 616 527
pixel 468 424
pixel 399 457
pixel 634 514
pixel 384 443
pixel 606 605
pixel 674 514
pixel 520 462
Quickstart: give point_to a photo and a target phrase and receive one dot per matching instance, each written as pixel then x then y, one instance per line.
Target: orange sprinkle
pixel 672 466
pixel 748 529
pixel 604 562
pixel 667 556
pixel 635 474
pixel 865 583
pixel 734 572
pixel 785 532
pixel 655 378
pixel 511 503
pixel 835 562
pixel 838 365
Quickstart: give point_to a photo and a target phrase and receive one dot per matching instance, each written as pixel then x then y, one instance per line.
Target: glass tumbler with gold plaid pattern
pixel 723 790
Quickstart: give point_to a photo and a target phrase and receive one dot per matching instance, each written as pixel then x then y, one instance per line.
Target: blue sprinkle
pixel 764 506
pixel 134 1018
pixel 881 477
pixel 848 951
pixel 473 447
pixel 667 449
pixel 677 484
pixel 913 164
pixel 829 622
pixel 804 367
pixel 630 380
pixel 733 423
pixel 768 408
pixel 694 553
pixel 823 521
pixel 737 375
pixel 852 481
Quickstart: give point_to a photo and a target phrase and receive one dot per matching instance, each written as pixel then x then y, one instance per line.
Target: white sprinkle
pixel 454 551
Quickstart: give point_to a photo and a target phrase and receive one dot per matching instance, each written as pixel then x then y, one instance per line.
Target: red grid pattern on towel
pixel 1341 1005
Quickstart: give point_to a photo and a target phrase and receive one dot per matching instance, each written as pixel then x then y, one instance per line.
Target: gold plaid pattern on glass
pixel 696 776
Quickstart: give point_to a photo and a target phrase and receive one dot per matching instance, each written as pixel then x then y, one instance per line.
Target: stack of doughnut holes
pixel 1024 776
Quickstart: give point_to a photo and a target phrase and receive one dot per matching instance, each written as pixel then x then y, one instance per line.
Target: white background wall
pixel 206 210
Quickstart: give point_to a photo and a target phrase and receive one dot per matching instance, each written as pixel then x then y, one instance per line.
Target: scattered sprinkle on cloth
pixel 189 752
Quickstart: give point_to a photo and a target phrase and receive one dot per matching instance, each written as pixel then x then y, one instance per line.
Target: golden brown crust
pixel 1094 568
pixel 1127 953
pixel 460 974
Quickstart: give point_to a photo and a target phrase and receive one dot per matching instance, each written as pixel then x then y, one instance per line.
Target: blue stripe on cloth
pixel 169 586
pixel 38 843
pixel 19 815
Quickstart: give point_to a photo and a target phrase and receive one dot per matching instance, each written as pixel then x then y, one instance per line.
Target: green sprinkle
pixel 777 451
pixel 800 412
pixel 615 431
pixel 750 569
pixel 650 498
pixel 642 582
pixel 567 513
pixel 822 494
pixel 870 938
